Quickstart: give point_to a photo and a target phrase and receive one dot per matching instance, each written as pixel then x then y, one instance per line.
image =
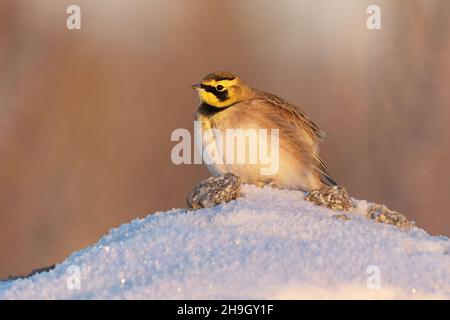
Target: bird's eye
pixel 219 87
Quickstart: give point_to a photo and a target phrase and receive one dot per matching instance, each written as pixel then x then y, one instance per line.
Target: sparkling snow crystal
pixel 268 244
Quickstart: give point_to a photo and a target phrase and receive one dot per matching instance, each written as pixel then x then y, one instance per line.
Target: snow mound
pixel 268 244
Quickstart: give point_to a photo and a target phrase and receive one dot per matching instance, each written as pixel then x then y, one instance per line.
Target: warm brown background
pixel 86 116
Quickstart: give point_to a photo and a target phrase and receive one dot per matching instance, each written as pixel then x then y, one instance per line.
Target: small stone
pixel 381 213
pixel 268 183
pixel 214 191
pixel 342 216
pixel 332 197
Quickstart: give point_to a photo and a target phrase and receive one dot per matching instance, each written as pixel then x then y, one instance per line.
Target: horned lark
pixel 228 102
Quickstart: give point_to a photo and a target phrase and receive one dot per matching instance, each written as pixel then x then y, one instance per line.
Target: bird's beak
pixel 196 86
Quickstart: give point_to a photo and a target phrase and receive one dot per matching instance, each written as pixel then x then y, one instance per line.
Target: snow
pixel 269 244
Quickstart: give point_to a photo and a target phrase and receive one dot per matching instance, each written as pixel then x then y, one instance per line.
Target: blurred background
pixel 86 115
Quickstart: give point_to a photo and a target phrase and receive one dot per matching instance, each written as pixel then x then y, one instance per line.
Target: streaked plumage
pixel 227 102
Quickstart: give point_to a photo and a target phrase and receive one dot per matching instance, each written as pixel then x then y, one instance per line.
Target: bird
pixel 228 102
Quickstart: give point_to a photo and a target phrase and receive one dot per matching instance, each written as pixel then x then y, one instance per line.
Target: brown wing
pixel 299 119
pixel 296 114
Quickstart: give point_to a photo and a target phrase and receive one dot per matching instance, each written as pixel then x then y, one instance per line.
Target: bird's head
pixel 221 89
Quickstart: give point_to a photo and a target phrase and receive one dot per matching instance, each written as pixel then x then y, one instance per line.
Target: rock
pixel 342 216
pixel 214 191
pixel 381 213
pixel 335 198
pixel 269 183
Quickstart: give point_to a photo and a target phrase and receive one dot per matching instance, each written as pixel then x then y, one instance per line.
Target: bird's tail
pixel 321 170
pixel 326 179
